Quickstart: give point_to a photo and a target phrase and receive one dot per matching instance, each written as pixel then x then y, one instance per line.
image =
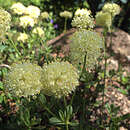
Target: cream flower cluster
pixel 66 14
pixel 80 12
pixel 23 80
pixel 111 8
pixel 59 79
pixel 18 8
pixel 83 19
pixel 103 19
pixel 5 19
pixel 38 31
pixel 22 37
pixel 33 11
pixel 44 15
pixel 85 42
pixel 29 14
pixel 26 21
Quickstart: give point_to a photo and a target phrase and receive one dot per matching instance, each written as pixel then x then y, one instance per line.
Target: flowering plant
pixel 62 89
pixel 28 34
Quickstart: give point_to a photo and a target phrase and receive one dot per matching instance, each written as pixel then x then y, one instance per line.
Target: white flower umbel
pixel 66 14
pixel 26 21
pixel 59 79
pixel 85 42
pixel 18 8
pixel 44 15
pixel 5 20
pixel 81 12
pixel 39 31
pixel 111 8
pixel 33 11
pixel 22 37
pixel 24 80
pixel 83 19
pixel 104 19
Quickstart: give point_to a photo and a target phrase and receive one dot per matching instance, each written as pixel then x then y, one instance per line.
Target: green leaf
pixel 124 117
pixel 108 108
pixel 36 2
pixel 86 5
pixel 125 80
pixel 69 112
pixel 1 85
pixel 10 96
pixel 2 48
pixel 56 121
pixel 123 91
pixel 35 121
pixel 1 98
pixel 61 115
pixel 42 99
pixel 27 116
pixel 21 115
pixel 97 103
pixel 74 123
pixel 128 87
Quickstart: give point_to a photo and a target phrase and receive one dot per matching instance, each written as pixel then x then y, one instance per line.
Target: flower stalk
pixel 65 25
pixel 105 67
pixel 84 66
pixel 14 46
pixel 67 127
pixel 49 111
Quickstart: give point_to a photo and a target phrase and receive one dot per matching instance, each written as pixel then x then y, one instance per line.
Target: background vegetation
pixel 122 21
